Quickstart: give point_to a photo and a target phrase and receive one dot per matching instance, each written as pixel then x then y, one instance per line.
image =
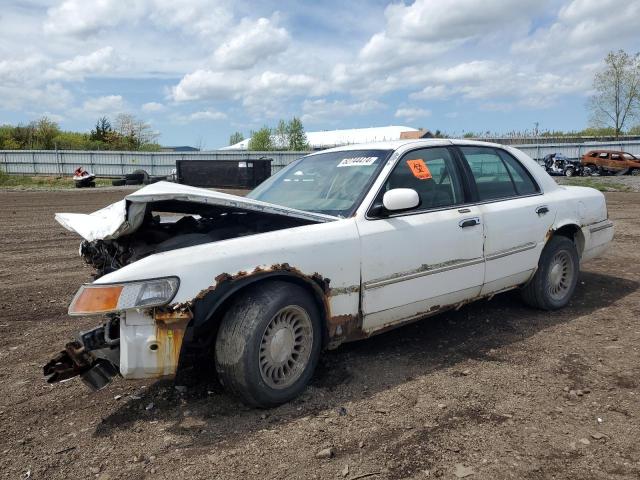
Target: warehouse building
pixel 335 138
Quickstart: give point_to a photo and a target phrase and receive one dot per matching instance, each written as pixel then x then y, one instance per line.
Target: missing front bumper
pixel 94 357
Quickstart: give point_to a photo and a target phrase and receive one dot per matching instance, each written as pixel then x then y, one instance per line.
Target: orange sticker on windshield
pixel 419 169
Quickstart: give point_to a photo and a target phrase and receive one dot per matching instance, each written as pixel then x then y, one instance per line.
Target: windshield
pixel 332 183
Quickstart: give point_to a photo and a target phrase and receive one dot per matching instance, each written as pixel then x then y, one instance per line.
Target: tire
pixel 569 172
pixel 555 281
pixel 593 169
pixel 141 176
pixel 249 337
pixel 119 182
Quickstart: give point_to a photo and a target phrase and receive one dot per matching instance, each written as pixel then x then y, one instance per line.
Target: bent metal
pixel 340 245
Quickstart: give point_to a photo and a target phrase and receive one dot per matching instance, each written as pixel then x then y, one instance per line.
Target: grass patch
pixel 598 183
pixel 22 181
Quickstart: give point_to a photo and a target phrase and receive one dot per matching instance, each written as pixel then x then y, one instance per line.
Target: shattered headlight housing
pixel 97 298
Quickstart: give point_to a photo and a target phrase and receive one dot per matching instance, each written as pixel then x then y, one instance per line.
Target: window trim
pixel 472 180
pixel 467 194
pixel 468 180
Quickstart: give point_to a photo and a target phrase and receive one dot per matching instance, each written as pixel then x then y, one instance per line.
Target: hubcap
pixel 560 279
pixel 285 348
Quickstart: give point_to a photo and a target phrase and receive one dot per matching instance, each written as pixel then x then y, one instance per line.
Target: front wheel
pixel 555 281
pixel 569 172
pixel 268 344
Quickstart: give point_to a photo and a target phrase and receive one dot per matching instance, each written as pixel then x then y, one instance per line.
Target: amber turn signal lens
pixel 96 299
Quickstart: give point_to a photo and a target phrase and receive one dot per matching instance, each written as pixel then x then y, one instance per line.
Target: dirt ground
pixel 495 390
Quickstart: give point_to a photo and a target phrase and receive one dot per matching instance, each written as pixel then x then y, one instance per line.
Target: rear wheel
pixel 593 169
pixel 268 344
pixel 555 281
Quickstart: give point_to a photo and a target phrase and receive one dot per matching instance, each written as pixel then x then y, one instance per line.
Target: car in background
pixel 611 162
pixel 559 164
pixel 338 246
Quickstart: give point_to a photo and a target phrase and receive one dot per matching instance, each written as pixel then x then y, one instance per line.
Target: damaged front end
pixel 94 356
pixel 143 335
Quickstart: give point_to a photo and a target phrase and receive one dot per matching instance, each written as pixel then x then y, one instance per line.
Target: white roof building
pixel 335 138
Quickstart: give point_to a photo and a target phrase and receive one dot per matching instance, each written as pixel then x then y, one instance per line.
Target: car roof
pixel 607 151
pixel 397 144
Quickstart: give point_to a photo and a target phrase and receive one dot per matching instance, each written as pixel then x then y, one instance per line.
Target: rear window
pixel 497 174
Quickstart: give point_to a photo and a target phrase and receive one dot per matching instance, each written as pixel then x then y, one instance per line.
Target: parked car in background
pixel 559 164
pixel 340 245
pixel 611 162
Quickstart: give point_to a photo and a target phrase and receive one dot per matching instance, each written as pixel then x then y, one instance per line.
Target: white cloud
pixel 204 18
pixel 51 96
pixel 249 43
pixel 208 85
pixel 432 92
pixel 98 62
pixel 105 105
pixel 207 115
pixel 411 113
pixel 82 18
pixel 152 107
pixel 321 110
pixel 583 32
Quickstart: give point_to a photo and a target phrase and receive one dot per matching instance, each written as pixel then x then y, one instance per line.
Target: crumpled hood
pixel 125 216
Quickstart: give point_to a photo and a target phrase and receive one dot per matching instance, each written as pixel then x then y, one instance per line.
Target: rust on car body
pixel 172 321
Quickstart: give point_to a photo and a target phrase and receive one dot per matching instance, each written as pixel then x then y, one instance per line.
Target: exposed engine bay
pixel 169 225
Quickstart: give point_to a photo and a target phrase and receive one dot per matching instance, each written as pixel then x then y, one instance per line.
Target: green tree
pixel 44 131
pixel 102 129
pixel 261 140
pixel 236 137
pixel 281 136
pixel 73 141
pixel 617 92
pixel 297 139
pixel 24 136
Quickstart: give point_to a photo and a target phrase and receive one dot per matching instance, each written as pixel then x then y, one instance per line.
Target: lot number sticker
pixel 419 169
pixel 357 161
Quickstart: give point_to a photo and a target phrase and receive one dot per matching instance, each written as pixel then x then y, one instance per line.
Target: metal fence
pixel 576 150
pixel 115 164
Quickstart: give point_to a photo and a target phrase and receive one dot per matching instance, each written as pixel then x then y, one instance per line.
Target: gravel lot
pixel 607 183
pixel 495 390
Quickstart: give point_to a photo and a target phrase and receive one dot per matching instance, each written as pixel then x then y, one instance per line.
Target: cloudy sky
pixel 198 70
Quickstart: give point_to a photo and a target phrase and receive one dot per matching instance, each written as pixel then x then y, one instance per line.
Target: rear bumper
pixel 597 236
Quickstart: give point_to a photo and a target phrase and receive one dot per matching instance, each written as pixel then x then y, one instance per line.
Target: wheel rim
pixel 285 348
pixel 560 278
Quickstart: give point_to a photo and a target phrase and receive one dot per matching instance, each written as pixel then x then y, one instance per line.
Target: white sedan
pixel 338 246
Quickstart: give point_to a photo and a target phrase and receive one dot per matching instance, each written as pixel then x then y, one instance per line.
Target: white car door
pixel 416 262
pixel 516 217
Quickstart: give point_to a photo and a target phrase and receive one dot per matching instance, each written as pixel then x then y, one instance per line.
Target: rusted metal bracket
pixel 73 360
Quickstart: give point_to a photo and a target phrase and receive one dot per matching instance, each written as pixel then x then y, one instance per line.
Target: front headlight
pixel 113 297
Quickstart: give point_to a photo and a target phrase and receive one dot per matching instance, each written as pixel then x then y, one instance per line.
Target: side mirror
pixel 400 199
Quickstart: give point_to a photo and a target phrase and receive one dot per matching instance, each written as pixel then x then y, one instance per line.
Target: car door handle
pixel 543 210
pixel 469 222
